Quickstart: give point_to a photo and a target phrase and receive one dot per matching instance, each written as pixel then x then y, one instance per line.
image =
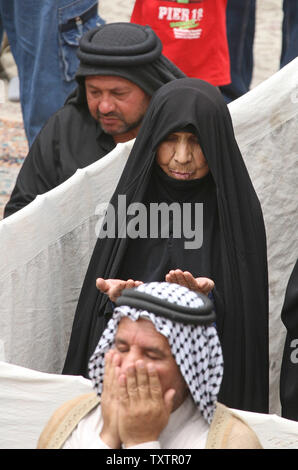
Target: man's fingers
pixel 154 382
pixel 205 284
pixel 112 366
pixel 142 380
pixel 131 383
pixel 122 389
pixel 116 289
pixel 172 276
pixel 185 278
pixel 190 280
pixel 107 369
pixel 130 283
pixel 102 284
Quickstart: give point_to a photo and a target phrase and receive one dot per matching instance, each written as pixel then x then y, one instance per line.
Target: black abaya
pixel 289 368
pixel 165 253
pixel 233 251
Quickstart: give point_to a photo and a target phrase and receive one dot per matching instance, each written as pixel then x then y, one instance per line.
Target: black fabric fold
pixel 233 251
pixel 126 50
pixel 113 45
pixel 289 367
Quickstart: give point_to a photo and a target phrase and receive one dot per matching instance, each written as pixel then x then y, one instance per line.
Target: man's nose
pixel 182 153
pixel 106 104
pixel 129 359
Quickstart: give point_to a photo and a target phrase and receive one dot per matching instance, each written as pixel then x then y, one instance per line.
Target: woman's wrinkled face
pixel 181 157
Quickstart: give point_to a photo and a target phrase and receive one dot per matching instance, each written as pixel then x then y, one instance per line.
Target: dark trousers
pixel 241 31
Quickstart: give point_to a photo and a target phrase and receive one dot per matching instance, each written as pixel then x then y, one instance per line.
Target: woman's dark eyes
pixel 171 138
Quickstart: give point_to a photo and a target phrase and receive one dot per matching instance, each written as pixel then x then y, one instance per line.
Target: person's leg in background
pixel 289 50
pixel 1 29
pixel 9 70
pixel 43 37
pixel 240 32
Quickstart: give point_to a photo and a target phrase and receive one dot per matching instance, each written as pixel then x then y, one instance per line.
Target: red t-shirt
pixel 193 34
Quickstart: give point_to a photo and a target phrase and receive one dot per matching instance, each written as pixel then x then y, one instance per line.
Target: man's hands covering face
pixel 109 400
pixel 134 408
pixel 143 410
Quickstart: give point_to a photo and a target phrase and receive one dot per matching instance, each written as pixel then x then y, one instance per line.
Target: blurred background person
pixel 193 34
pixel 9 71
pixel 43 37
pixel 241 18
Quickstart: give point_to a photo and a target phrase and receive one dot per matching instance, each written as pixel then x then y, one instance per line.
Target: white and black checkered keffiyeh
pixel 196 348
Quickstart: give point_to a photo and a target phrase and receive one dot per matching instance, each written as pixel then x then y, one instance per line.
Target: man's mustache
pixel 108 115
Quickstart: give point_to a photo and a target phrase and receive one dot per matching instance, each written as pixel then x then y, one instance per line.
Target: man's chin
pixel 115 131
pixel 111 130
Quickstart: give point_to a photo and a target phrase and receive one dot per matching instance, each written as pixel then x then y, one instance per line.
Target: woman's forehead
pixel 182 133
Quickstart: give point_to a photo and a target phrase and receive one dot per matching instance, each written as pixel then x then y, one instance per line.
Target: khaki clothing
pixel 227 430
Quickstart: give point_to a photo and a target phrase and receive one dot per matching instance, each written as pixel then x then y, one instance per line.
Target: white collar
pixel 186 427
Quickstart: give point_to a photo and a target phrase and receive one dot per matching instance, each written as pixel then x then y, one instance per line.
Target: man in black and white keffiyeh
pixel 156 374
pixel 138 337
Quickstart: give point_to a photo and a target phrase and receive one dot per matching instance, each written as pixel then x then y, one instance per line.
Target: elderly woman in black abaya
pixel 186 154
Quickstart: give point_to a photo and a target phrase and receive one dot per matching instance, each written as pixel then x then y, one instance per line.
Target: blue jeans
pixel 43 36
pixel 240 32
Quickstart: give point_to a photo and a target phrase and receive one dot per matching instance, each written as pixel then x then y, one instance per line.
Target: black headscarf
pixel 236 257
pixel 125 50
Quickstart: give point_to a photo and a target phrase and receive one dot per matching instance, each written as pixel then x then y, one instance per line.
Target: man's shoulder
pixel 229 431
pixel 69 111
pixel 71 123
pixel 65 419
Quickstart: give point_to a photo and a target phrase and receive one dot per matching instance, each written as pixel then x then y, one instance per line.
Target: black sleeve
pixel 39 172
pixel 289 368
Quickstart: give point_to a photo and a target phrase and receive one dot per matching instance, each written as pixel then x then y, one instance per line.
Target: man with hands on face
pixel 156 371
pixel 134 406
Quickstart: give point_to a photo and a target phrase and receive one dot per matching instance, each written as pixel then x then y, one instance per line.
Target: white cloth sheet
pixel 266 122
pixel 45 248
pixel 28 398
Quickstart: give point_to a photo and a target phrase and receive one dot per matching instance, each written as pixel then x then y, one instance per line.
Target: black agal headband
pixel 202 315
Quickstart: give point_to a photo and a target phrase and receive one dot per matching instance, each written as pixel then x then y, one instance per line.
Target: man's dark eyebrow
pixel 113 90
pixel 157 351
pixel 89 85
pixel 120 340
